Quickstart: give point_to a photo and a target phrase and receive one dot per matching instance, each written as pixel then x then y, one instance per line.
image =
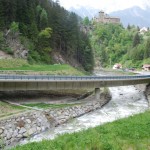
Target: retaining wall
pixel 17 127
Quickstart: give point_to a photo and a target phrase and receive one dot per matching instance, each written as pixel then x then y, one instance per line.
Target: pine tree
pixel 43 19
pixel 2 16
pixel 136 40
pixel 147 49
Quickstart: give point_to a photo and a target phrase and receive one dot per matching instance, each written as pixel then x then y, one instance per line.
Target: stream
pixel 125 102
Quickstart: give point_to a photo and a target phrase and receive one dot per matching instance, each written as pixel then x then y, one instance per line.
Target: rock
pixel 9 136
pixel 39 120
pixel 39 129
pixel 27 126
pixel 28 121
pixel 25 135
pixel 1 131
pixel 32 131
pixel 8 143
pixel 22 130
pixel 19 136
pixel 15 134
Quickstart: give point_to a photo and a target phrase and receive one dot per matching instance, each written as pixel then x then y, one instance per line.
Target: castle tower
pixel 101 16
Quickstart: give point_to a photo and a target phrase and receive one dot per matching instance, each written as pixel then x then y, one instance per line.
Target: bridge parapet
pixel 28 82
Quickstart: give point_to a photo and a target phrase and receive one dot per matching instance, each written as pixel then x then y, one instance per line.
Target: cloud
pixel 106 5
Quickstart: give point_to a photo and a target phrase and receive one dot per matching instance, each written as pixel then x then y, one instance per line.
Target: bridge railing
pixel 48 77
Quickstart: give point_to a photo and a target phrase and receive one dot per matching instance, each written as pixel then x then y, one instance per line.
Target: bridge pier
pixel 97 93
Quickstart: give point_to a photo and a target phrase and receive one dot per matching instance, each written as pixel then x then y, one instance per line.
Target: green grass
pixel 8 109
pixel 43 105
pixel 131 133
pixel 39 67
pixel 3 104
pixel 11 63
pixel 117 72
pixel 21 66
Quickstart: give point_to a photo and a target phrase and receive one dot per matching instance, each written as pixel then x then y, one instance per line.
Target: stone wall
pixel 147 93
pixel 146 89
pixel 21 126
pixel 13 129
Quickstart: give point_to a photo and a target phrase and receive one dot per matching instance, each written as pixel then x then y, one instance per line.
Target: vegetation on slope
pixel 130 133
pixel 44 27
pixel 113 43
pixel 7 109
pixel 21 66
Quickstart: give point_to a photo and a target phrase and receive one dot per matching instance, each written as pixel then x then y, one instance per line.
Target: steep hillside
pixel 113 43
pixel 43 28
pixel 134 16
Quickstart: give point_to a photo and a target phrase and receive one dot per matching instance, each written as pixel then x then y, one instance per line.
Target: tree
pixel 138 28
pixel 44 40
pixel 2 16
pixel 43 45
pixel 147 49
pixel 14 27
pixel 128 27
pixel 46 33
pixel 43 19
pixel 2 41
pixel 136 40
pixel 86 21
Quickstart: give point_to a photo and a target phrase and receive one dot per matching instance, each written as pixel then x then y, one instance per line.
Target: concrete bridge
pixel 45 82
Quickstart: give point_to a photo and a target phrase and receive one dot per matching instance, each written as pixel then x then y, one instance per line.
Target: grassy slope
pixel 7 109
pixel 22 67
pixel 131 133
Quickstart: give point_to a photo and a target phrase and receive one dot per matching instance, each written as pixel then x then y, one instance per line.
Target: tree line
pixel 113 43
pixel 46 27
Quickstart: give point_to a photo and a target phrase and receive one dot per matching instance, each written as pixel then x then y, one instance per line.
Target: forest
pixel 45 27
pixel 113 43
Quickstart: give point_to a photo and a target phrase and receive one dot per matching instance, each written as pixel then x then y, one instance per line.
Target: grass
pixel 10 63
pixel 7 109
pixel 44 105
pixel 117 72
pixel 21 66
pixel 131 133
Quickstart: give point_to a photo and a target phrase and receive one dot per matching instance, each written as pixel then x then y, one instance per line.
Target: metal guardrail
pixel 70 78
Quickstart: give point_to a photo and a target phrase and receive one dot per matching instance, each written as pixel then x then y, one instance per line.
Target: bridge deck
pixel 28 82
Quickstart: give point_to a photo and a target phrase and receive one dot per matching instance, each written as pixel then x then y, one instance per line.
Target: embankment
pixel 147 93
pixel 15 128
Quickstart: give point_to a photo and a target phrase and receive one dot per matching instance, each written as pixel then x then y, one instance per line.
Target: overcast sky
pixel 106 5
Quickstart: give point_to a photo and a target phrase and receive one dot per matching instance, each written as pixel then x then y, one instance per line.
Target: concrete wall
pixel 72 84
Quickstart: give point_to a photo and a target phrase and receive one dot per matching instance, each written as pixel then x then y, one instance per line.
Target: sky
pixel 106 5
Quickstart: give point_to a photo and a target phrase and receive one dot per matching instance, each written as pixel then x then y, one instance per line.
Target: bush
pixel 8 50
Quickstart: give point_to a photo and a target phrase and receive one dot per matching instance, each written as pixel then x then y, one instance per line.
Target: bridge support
pixel 97 93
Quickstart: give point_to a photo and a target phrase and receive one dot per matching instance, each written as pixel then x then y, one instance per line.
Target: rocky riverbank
pixel 147 93
pixel 15 128
pixel 146 89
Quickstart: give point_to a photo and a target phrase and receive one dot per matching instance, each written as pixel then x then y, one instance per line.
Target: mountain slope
pixel 85 11
pixel 134 16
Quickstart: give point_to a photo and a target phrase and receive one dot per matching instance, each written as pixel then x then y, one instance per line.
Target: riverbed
pixel 126 101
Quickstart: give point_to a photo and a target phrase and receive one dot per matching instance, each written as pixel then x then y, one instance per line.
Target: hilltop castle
pixel 104 18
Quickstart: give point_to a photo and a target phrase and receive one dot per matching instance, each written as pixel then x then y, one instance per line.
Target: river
pixel 125 102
